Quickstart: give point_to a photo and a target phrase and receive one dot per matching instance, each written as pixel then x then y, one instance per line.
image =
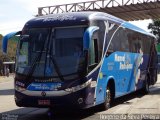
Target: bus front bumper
pixel 73 100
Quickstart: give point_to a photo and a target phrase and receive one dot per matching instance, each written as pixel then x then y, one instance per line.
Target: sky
pixel 15 13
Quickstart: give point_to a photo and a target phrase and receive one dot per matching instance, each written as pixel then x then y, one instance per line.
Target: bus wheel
pixel 145 89
pixel 106 105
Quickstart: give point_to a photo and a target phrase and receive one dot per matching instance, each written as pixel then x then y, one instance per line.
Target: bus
pixel 81 60
pixel 158 68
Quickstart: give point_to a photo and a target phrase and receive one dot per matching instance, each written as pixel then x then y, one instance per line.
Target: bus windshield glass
pixel 51 52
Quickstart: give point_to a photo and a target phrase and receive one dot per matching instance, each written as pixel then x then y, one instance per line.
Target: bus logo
pixel 43 93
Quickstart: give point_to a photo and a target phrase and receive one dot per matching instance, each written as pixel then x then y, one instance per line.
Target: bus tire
pixel 145 89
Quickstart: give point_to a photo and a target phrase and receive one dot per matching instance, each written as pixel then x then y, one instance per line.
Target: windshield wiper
pixel 37 59
pixel 53 60
pixel 57 68
pixel 33 66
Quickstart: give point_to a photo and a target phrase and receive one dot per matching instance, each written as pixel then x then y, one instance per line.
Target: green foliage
pixel 155 28
pixel 158 47
pixel 12 46
pixel 11 52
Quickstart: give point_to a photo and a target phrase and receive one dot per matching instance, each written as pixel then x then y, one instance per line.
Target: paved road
pixel 129 107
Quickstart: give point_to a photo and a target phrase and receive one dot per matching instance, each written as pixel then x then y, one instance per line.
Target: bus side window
pixel 93 51
pixel 96 50
pixel 119 42
pixel 110 49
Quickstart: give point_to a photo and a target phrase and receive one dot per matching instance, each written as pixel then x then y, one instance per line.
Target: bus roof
pixel 79 18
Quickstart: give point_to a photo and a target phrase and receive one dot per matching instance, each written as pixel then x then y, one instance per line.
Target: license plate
pixel 44 102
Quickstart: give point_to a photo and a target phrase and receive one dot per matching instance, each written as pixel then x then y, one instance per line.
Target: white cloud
pixel 8 27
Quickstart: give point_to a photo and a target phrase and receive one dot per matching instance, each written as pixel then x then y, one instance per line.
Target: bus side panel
pixel 143 72
pixel 128 70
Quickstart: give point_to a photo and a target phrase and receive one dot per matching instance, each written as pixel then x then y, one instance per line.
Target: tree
pixel 12 45
pixel 1 36
pixel 155 28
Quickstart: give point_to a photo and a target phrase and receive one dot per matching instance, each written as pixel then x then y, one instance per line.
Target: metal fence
pixel 89 5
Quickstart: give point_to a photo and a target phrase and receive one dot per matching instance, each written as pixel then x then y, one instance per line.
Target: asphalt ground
pixel 129 107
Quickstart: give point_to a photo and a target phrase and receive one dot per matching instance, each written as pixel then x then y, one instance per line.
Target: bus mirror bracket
pixel 24 38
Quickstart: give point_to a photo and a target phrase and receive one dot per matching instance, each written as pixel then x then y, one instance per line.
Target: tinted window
pixel 53 53
pixel 119 41
pixel 139 42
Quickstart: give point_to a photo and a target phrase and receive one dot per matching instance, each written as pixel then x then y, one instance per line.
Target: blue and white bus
pixel 81 59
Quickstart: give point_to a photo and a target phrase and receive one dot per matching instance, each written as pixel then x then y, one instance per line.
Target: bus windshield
pixel 51 52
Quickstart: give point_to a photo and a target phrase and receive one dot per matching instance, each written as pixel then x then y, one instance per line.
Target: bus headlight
pixel 18 88
pixel 79 87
